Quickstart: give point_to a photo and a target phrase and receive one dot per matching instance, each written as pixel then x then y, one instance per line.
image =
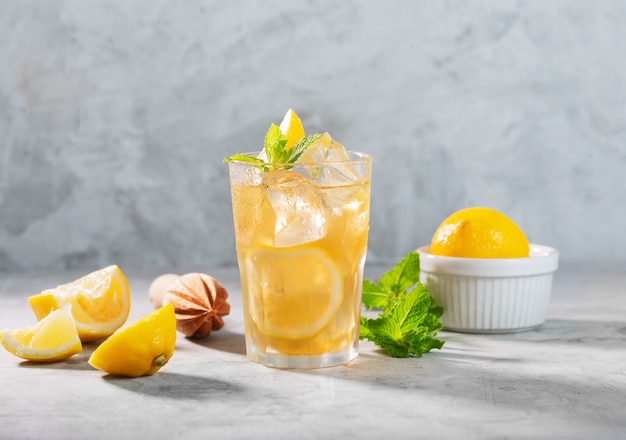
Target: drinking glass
pixel 301 238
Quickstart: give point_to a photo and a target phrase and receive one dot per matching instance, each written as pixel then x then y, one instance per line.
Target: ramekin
pixel 491 295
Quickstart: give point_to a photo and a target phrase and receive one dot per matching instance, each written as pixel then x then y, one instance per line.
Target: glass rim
pixel 358 157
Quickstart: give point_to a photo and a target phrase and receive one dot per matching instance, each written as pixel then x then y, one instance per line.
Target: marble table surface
pixel 566 379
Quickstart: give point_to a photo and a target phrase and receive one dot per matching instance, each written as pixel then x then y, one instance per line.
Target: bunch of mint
pixel 409 317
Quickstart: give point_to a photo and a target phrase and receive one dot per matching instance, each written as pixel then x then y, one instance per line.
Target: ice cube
pixel 337 170
pixel 340 198
pixel 299 213
pixel 323 150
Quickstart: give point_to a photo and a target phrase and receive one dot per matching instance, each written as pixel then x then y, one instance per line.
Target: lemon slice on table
pixel 291 127
pixel 479 232
pixel 293 294
pixel 141 348
pixel 100 302
pixel 54 338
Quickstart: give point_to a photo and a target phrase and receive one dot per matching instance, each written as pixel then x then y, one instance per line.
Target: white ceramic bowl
pixel 491 295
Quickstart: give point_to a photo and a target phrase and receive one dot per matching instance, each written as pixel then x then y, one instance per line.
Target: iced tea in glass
pixel 301 236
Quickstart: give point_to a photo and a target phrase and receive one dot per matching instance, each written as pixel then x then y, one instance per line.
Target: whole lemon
pixel 479 232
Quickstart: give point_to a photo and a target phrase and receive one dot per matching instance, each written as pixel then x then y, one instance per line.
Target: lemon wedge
pixel 54 338
pixel 291 127
pixel 100 302
pixel 141 348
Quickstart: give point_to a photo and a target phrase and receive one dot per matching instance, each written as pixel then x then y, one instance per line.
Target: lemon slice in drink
pixel 100 302
pixel 294 293
pixel 291 127
pixel 54 338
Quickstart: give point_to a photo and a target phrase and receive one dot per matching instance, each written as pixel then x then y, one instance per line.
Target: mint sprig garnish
pixel 275 148
pixel 409 317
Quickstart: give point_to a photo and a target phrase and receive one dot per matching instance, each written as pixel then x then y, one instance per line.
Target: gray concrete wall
pixel 115 117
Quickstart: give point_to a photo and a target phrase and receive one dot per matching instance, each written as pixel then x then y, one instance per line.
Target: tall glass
pixel 301 235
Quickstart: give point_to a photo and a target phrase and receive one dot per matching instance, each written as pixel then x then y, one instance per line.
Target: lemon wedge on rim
pixel 291 127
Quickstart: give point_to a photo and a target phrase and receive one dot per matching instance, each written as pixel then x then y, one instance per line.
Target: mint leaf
pixel 406 329
pixel 365 332
pixel 409 319
pixel 374 296
pixel 393 283
pixel 243 158
pixel 404 274
pixel 301 145
pixel 434 308
pixel 274 145
pixel 386 334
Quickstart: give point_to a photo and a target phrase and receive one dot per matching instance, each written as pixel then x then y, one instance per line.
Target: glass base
pixel 278 360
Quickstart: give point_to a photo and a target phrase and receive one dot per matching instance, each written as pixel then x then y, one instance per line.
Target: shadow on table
pixel 175 386
pixel 565 367
pixel 223 340
pixel 76 362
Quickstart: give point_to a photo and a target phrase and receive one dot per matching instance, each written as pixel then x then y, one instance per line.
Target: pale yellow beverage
pixel 301 236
